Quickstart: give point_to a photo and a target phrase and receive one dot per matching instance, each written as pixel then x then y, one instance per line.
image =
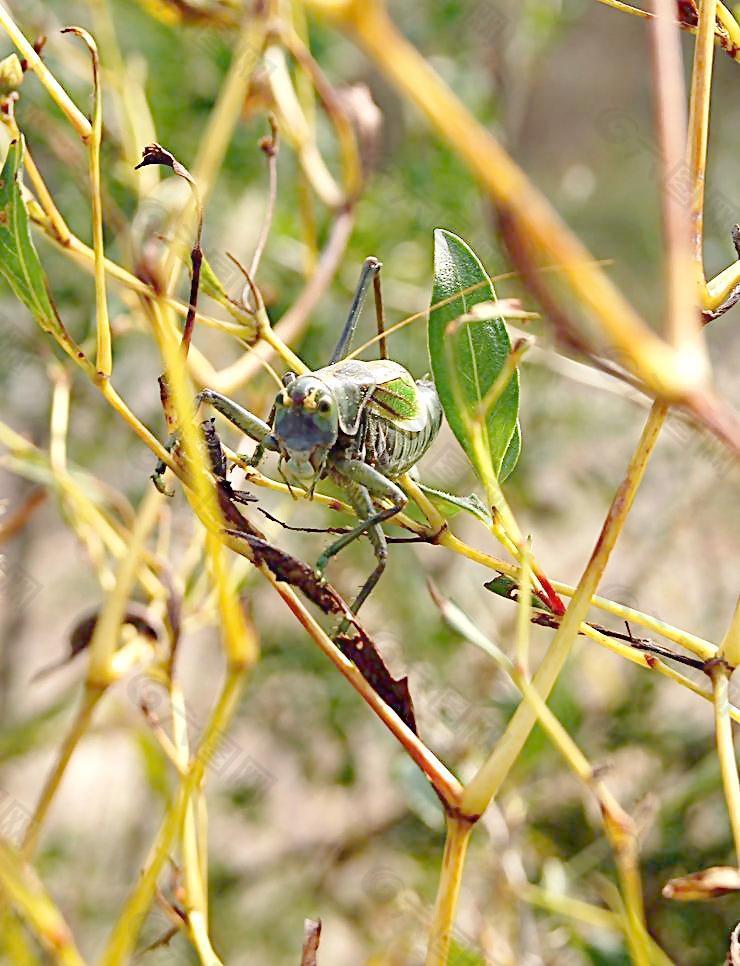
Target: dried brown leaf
pixel 720 880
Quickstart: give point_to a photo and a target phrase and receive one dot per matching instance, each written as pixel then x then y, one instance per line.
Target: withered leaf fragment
pixel 719 880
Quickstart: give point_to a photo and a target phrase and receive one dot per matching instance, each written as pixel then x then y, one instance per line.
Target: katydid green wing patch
pixel 399 398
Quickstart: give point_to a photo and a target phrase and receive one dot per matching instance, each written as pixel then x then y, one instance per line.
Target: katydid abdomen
pixel 393 449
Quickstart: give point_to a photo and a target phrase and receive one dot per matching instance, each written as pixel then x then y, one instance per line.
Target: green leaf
pixel 212 286
pixel 450 504
pixel 513 451
pixel 210 283
pixel 507 587
pixel 479 352
pixel 19 261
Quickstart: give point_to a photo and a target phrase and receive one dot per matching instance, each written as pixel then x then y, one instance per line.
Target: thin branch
pixel 720 672
pixel 269 146
pixel 651 358
pixel 19 882
pixel 55 90
pixel 104 361
pixel 296 318
pixel 683 321
pixel 701 92
pixel 453 862
pixel 486 783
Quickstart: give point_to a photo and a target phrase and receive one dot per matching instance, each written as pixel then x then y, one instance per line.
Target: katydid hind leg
pixel 160 469
pixel 369 272
pixel 352 474
pixel 364 508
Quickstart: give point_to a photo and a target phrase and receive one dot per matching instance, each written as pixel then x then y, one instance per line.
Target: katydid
pixel 360 424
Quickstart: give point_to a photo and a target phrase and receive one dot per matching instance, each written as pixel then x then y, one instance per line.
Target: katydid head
pixel 306 427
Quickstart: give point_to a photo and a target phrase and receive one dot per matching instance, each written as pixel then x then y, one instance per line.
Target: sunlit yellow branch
pixel 490 777
pixel 104 363
pixel 125 932
pixel 670 375
pixel 20 884
pixel 55 90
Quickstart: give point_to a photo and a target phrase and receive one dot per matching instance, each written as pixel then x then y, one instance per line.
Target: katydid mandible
pixel 360 424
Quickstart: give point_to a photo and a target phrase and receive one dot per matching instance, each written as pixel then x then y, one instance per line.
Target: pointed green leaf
pixel 212 286
pixel 210 283
pixel 450 504
pixel 479 351
pixel 19 261
pixel 507 587
pixel 513 451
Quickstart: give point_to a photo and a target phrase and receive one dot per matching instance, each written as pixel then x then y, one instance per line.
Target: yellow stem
pixel 486 783
pixel 104 362
pixel 724 16
pixel 123 937
pixel 652 360
pixel 27 894
pixel 14 940
pixel 239 640
pixel 55 90
pixel 196 887
pixel 618 825
pixel 445 783
pixel 524 610
pixel 701 92
pixel 570 908
pixel 105 637
pixel 224 117
pixel 729 649
pixel 693 643
pixel 453 862
pixel 56 220
pixel 720 674
pixel 79 727
pixel 683 325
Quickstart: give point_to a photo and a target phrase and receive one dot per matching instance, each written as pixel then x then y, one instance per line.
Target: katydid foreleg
pixel 251 425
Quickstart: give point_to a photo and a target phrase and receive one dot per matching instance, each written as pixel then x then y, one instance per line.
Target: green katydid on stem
pixel 363 425
pixel 381 404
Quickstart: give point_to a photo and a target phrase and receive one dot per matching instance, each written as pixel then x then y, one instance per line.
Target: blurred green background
pixel 314 810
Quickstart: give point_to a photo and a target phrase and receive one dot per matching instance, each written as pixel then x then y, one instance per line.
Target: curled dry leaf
pixel 364 654
pixel 82 632
pixel 356 645
pixel 156 154
pixel 720 880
